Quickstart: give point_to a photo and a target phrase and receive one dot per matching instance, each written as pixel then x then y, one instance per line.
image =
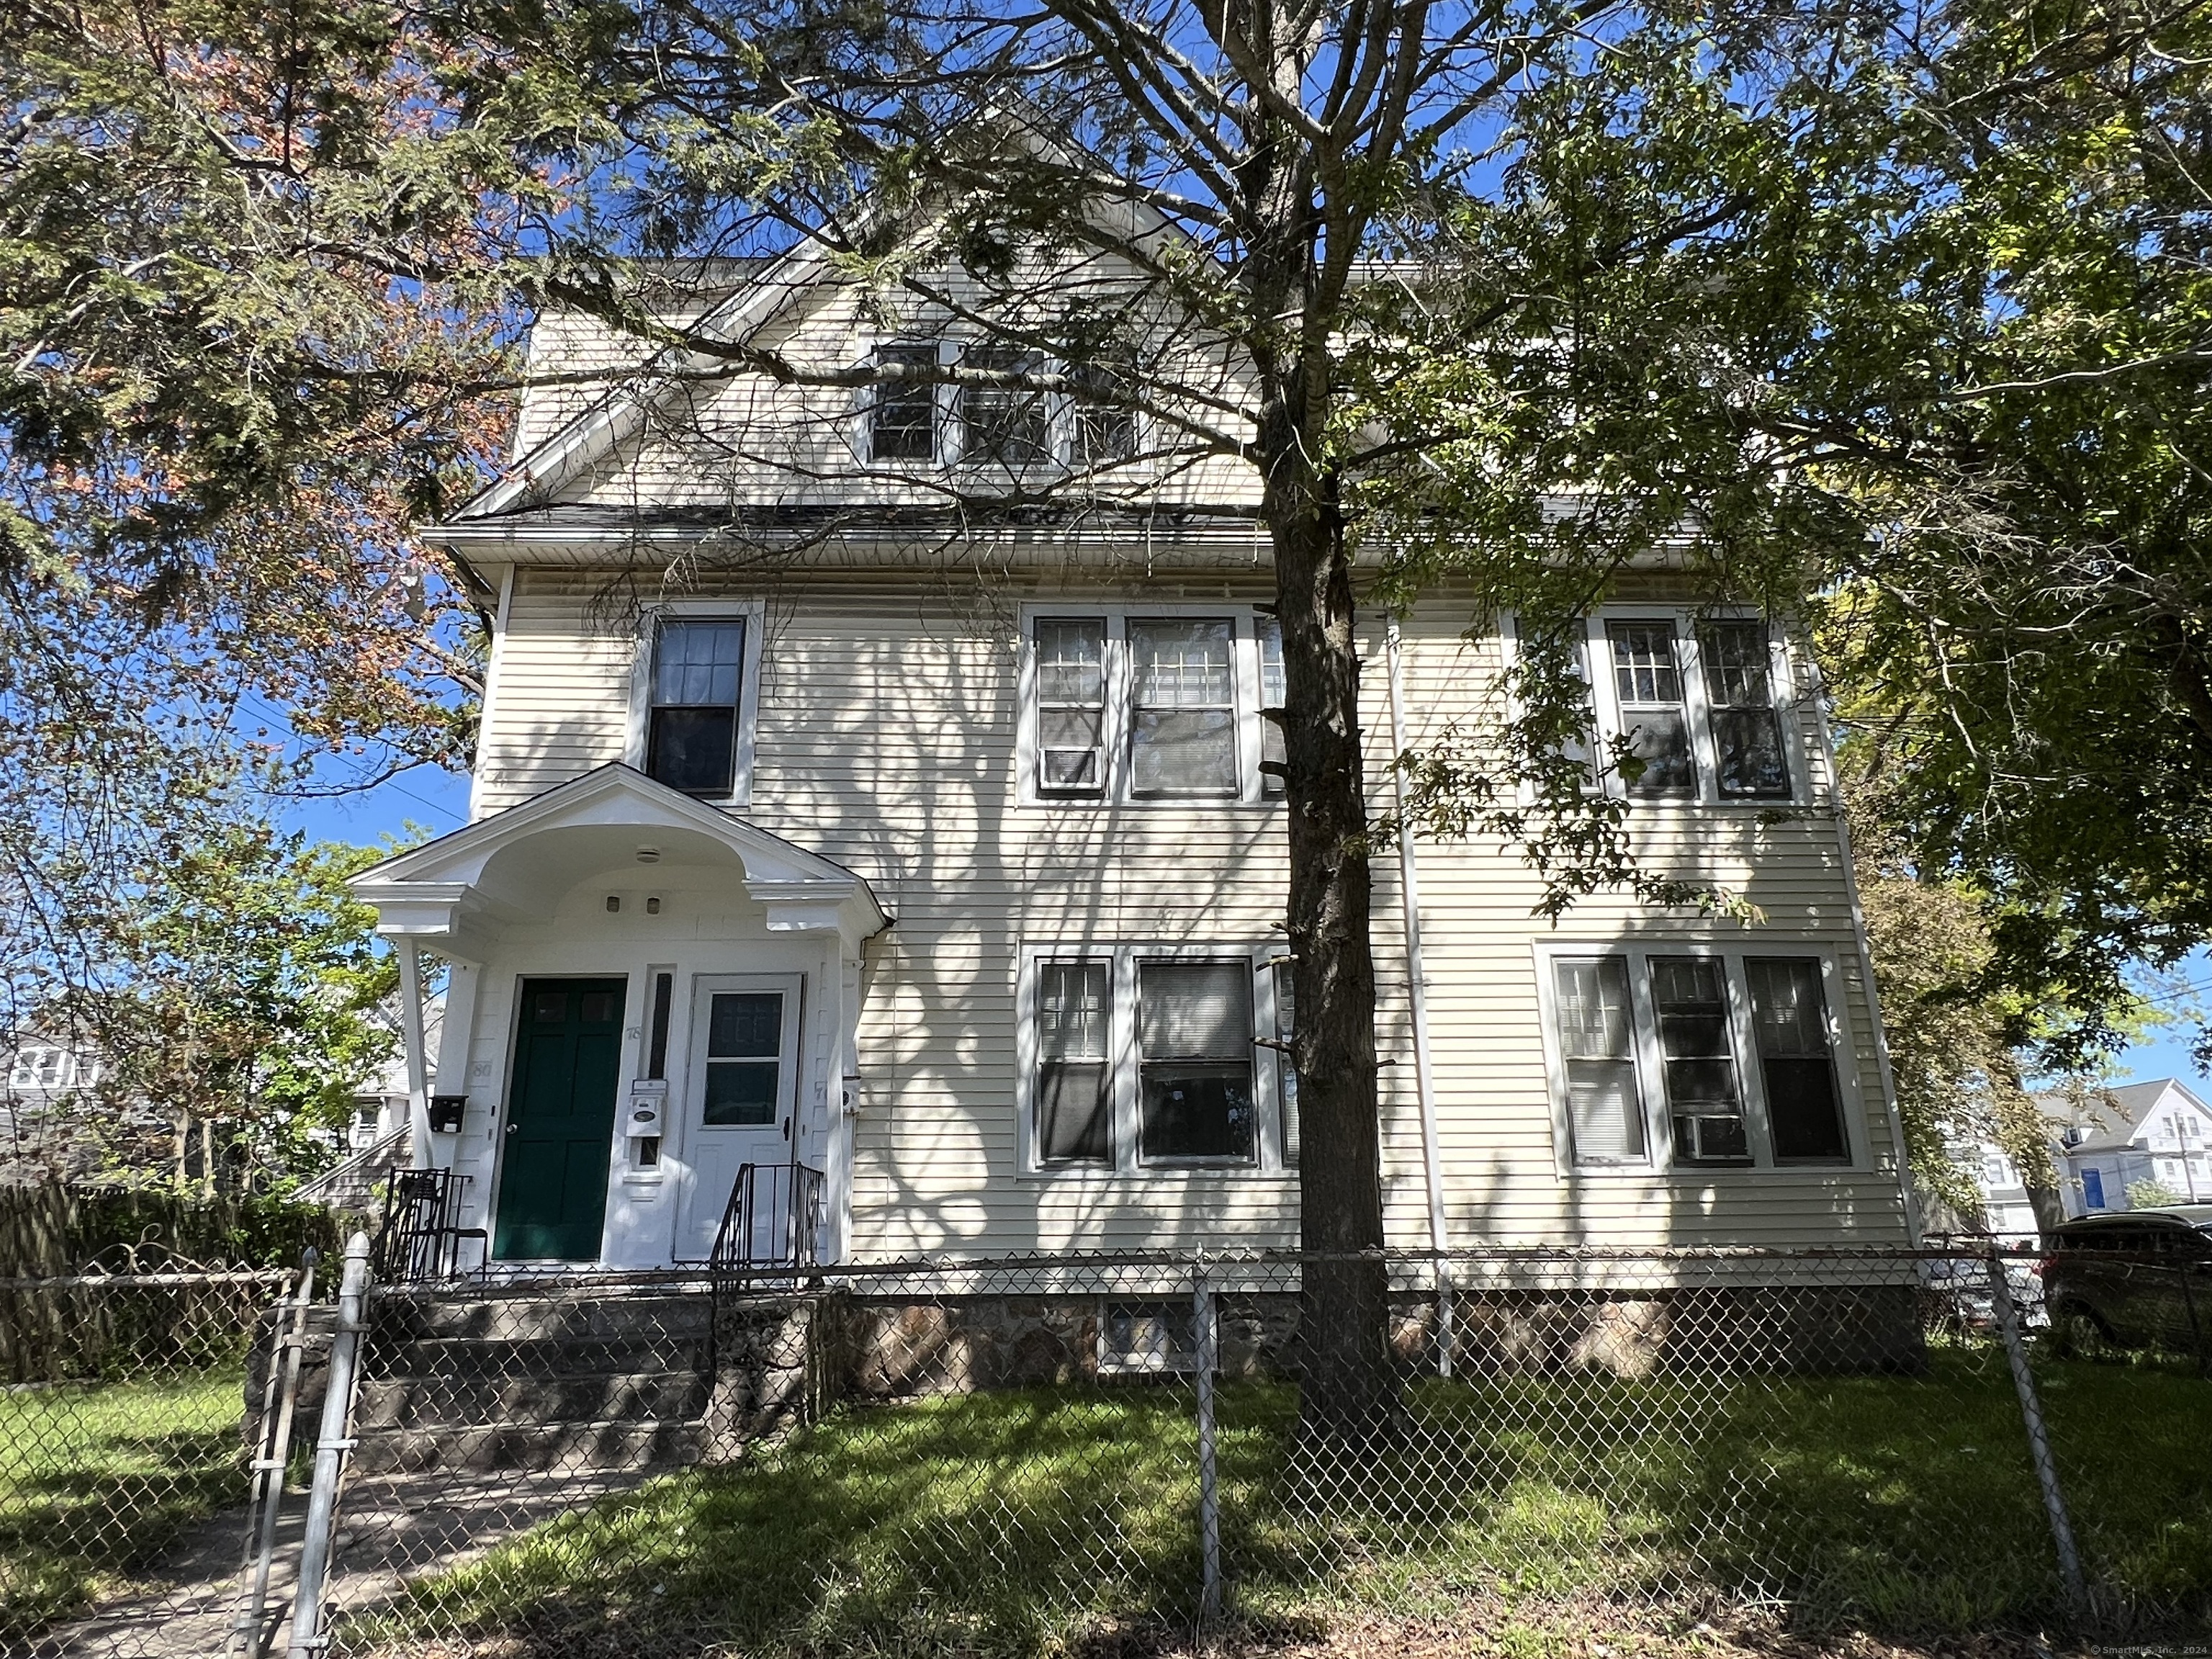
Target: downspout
pixel 1409 896
pixel 418 1064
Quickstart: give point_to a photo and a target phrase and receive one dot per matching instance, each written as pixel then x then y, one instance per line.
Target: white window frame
pixel 754 614
pixel 1650 1065
pixel 34 1058
pixel 1114 787
pixel 1605 700
pixel 949 426
pixel 1122 1061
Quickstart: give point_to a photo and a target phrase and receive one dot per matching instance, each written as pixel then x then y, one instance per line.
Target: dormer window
pixel 1104 431
pixel 902 417
pixel 691 743
pixel 1004 424
pixel 1012 428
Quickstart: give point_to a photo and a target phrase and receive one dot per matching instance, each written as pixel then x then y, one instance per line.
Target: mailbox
pixel 445 1111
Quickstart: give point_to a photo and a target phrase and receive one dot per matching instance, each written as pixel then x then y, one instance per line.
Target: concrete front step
pixel 491 1397
pixel 532 1446
pixel 564 1316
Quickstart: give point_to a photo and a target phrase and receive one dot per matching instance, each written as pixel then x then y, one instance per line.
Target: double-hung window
pixel 1103 428
pixel 918 410
pixel 698 676
pixel 1003 425
pixel 1698 1058
pixel 1074 1097
pixel 1071 701
pixel 40 1068
pixel 903 408
pixel 1749 761
pixel 1648 689
pixel 1124 707
pixel 1195 1061
pixel 691 742
pixel 1696 703
pixel 1183 705
pixel 1140 1057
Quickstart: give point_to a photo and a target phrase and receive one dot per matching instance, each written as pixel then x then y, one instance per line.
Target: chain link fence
pixel 1049 1453
pixel 125 1455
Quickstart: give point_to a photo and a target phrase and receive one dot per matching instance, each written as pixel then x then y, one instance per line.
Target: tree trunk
pixel 1347 1393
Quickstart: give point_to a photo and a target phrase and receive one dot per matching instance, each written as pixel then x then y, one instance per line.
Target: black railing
pixel 420 1236
pixel 772 1222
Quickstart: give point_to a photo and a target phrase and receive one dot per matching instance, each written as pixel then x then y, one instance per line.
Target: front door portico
pixel 540 1051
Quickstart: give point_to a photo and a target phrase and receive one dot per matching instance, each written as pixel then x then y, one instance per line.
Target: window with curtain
pixel 1183 706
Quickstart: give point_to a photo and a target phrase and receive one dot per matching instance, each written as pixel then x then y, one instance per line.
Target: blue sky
pixel 439 801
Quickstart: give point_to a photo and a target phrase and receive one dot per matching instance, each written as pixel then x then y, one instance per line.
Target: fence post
pixel 279 1398
pixel 308 1638
pixel 1209 1491
pixel 2039 1442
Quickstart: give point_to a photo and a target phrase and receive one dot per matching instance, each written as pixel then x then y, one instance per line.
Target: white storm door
pixel 742 1089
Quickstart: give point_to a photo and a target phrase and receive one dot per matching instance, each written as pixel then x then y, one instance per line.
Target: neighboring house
pixel 2101 1144
pixel 933 852
pixel 40 1134
pixel 2007 1207
pixel 2156 1132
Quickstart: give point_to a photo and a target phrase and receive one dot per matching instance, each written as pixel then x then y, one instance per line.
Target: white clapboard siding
pixel 886 740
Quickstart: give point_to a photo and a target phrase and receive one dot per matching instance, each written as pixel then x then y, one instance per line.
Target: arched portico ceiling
pixel 514 865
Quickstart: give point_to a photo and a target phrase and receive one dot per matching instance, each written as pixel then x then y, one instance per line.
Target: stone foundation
pixel 878 1348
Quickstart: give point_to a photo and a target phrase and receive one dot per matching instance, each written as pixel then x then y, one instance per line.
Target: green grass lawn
pixel 1005 1524
pixel 97 1479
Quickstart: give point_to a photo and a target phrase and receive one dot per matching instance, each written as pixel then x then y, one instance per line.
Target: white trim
pixel 1116 789
pixel 1637 948
pixel 1122 958
pixel 754 614
pixel 494 671
pixel 425 890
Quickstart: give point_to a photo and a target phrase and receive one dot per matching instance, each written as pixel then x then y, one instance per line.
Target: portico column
pixel 418 1061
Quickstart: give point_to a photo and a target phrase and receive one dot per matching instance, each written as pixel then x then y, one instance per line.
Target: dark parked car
pixel 2137 1278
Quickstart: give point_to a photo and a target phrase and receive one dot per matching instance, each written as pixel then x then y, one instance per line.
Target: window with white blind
pixel 1698 702
pixel 1693 1058
pixel 1139 1057
pixel 1158 705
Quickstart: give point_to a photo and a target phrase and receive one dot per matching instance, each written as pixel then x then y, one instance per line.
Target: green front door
pixel 560 1119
